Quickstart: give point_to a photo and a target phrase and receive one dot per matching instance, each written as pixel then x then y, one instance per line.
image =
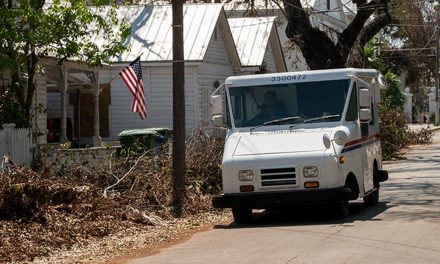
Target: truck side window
pixel 352 111
pixel 372 114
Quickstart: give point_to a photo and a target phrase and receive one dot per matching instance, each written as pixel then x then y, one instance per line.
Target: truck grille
pixel 278 176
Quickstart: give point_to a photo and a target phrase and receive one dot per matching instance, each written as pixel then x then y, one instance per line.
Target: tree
pixel 410 47
pixel 319 50
pixel 33 29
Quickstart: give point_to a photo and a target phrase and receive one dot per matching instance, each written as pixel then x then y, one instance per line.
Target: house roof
pixel 151 31
pixel 349 6
pixel 251 37
pixel 275 7
pixel 262 4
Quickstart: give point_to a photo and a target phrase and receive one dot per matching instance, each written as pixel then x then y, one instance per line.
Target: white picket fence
pixel 17 143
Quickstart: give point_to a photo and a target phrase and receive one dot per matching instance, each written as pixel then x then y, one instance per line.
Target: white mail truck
pixel 299 138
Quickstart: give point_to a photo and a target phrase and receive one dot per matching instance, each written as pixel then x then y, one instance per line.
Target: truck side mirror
pixel 216 105
pixel 365 115
pixel 364 98
pixel 326 140
pixel 217 121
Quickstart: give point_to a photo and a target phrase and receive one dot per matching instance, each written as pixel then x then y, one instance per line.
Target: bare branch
pixel 352 31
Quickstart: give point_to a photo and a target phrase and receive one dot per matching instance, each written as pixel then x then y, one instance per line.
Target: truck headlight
pixel 246 175
pixel 310 171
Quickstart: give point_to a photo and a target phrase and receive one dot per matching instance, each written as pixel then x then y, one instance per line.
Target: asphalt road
pixel 403 228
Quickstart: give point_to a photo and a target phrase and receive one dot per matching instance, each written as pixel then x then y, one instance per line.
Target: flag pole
pixel 107 84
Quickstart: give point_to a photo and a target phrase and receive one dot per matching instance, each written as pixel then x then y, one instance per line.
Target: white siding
pixel 54 109
pixel 269 59
pixel 215 67
pixel 293 56
pixel 158 90
pixel 54 106
pixel 217 52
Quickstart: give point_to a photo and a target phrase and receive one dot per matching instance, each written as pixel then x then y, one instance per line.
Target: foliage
pixel 70 201
pixel 145 174
pixel 392 96
pixel 57 29
pixel 423 136
pixel 408 47
pixel 393 128
pixel 372 56
pixel 395 135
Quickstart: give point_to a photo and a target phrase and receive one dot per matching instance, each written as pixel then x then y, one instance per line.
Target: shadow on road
pixel 317 215
pixel 415 198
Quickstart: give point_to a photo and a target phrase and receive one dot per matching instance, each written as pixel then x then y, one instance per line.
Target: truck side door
pixel 367 151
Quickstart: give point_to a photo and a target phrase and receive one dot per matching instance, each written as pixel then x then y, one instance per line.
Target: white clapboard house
pixel 97 110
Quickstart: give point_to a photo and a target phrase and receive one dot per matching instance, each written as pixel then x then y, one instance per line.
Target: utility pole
pixel 437 68
pixel 178 107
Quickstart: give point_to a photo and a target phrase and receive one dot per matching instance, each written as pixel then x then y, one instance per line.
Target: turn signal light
pixel 246 188
pixel 313 184
pixel 342 159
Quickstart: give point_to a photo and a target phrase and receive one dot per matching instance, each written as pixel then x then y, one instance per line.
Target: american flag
pixel 132 76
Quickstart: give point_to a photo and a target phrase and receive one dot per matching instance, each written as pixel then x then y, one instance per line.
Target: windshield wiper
pixel 275 121
pixel 313 119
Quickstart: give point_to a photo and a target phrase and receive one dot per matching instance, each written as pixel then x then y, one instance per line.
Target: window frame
pixel 354 91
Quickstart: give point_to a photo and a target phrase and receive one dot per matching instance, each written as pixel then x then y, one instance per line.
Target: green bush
pixel 393 130
pixel 395 134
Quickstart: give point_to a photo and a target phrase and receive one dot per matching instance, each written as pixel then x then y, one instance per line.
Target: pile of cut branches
pixel 41 212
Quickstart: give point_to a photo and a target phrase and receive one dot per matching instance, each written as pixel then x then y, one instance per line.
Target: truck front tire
pixel 342 209
pixel 242 215
pixel 372 199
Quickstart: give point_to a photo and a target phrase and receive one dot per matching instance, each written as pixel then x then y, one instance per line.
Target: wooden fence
pixel 16 142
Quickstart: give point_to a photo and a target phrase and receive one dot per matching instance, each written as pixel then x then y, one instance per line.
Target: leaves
pixel 62 30
pixel 392 96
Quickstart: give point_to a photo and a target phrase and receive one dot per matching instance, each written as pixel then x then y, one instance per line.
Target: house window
pixel 328 5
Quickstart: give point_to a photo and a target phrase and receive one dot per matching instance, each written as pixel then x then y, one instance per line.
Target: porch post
pixel 96 137
pixel 64 77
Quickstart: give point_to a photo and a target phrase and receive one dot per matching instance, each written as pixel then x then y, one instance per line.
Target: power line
pixel 412 25
pixel 407 56
pixel 413 49
pixel 429 41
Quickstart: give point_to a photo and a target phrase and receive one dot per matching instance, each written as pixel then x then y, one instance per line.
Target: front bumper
pixel 262 200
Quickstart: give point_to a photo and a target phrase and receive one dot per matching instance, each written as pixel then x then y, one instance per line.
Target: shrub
pixel 395 134
pixel 393 128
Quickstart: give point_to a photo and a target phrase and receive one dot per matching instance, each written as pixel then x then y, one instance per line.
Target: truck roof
pixel 299 77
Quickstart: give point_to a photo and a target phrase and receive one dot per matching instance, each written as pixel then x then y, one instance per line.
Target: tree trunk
pixel 319 50
pixel 31 87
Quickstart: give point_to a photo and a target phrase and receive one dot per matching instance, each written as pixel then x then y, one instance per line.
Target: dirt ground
pixel 137 240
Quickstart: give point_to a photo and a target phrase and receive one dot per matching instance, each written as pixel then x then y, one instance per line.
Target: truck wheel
pixel 373 198
pixel 342 209
pixel 242 215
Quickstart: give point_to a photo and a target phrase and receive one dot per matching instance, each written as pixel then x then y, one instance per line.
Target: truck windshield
pixel 256 105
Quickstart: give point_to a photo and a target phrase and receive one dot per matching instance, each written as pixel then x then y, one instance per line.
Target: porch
pixel 78 85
